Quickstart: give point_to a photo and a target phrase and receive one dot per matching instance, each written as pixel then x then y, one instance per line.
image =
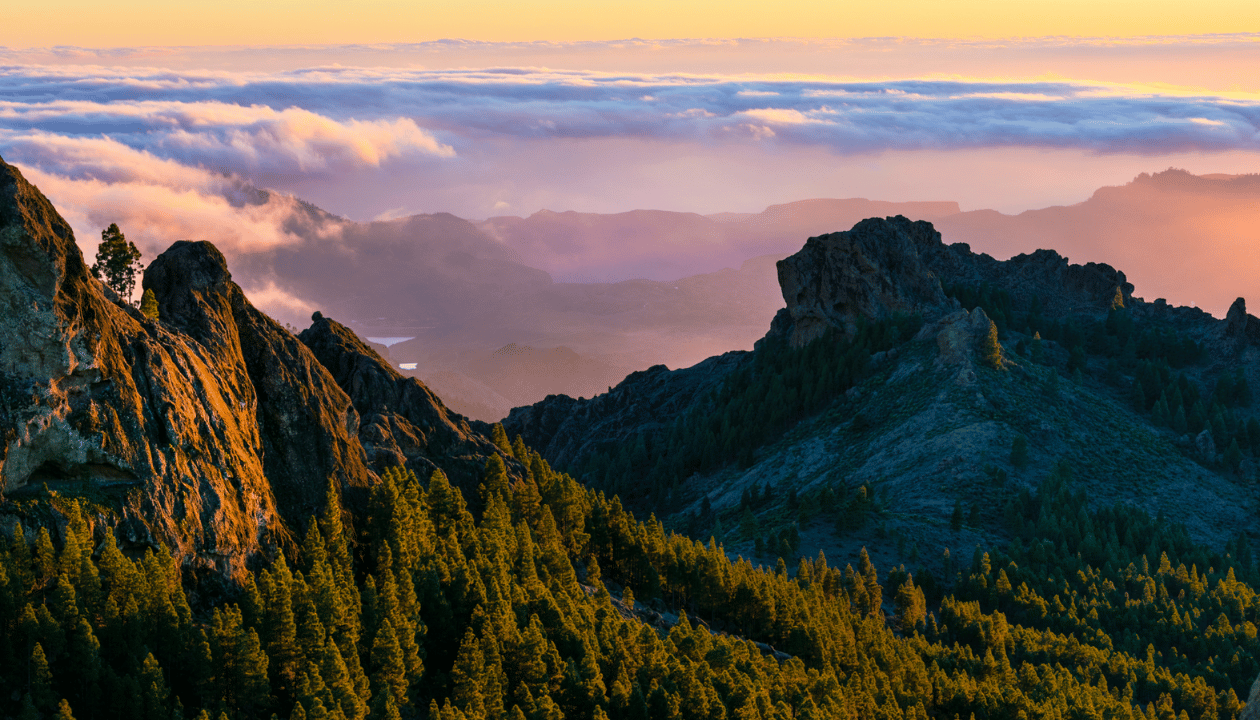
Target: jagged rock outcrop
pixel 93 395
pixel 1241 327
pixel 1060 287
pixel 894 265
pixel 308 427
pixel 212 430
pixel 881 267
pixel 401 422
pixel 872 271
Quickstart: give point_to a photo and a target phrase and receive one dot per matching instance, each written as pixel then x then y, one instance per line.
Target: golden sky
pixel 92 23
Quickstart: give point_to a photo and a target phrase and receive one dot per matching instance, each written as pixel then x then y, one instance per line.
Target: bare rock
pixel 308 427
pixel 1251 711
pixel 1205 445
pixel 402 422
pixel 871 271
pixel 214 430
pixel 1240 326
pixel 94 395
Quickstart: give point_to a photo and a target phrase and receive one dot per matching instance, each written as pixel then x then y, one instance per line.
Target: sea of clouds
pixel 120 136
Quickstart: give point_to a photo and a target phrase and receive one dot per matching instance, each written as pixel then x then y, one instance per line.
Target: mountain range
pixel 236 511
pixel 594 297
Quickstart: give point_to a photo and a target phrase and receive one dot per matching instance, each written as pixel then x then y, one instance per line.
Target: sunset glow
pixel 143 22
pixel 170 120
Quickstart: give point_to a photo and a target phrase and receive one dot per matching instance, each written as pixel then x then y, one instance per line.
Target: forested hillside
pixel 430 606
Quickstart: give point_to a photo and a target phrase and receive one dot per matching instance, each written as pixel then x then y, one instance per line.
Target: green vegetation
pixel 148 305
pixel 777 387
pixel 1146 362
pixel 424 610
pixel 117 262
pixel 990 348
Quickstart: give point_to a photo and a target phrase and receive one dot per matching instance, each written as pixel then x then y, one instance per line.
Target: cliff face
pixel 306 423
pixel 874 270
pixel 894 265
pixel 97 398
pixel 212 430
pixel 401 421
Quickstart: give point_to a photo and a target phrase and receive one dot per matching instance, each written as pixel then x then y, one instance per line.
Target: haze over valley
pixel 687 361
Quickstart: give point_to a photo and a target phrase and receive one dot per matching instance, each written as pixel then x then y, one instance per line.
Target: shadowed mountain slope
pixel 871 401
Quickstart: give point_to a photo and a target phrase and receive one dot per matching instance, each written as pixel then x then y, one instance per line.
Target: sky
pixel 87 23
pixel 167 117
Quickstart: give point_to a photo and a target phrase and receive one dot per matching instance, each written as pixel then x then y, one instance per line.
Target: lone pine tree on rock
pixel 117 262
pixel 148 305
pixel 990 348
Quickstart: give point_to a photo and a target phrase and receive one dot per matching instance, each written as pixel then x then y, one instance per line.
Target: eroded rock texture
pixel 96 397
pixel 401 421
pixel 874 270
pixel 213 430
pixel 308 428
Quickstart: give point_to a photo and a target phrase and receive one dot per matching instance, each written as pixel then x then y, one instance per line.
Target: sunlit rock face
pixel 211 430
pixel 97 397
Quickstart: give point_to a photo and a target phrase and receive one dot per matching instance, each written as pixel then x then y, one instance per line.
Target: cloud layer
pixel 334 118
pixel 171 154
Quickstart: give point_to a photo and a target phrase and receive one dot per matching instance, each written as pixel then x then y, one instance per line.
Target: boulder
pixel 872 271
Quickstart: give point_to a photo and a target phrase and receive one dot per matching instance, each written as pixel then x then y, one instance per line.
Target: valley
pixel 938 485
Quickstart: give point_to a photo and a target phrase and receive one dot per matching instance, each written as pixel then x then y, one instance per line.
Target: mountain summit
pixel 213 430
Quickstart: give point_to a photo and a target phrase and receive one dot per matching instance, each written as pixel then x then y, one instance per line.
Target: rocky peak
pixel 874 270
pixel 212 430
pixel 1240 326
pixel 95 397
pixel 402 422
pixel 885 266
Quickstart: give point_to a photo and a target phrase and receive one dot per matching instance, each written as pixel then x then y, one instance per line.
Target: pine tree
pixel 340 683
pixel 41 679
pixel 1179 423
pixel 149 305
pixel 117 262
pixel 870 581
pixel 526 500
pixel 84 664
pixel 911 607
pixel 499 436
pixel 389 674
pixel 496 482
pixel 466 677
pixel 280 628
pixel 28 712
pixel 519 450
pixel 1233 456
pixel 956 518
pixel 990 348
pixel 45 557
pixel 153 690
